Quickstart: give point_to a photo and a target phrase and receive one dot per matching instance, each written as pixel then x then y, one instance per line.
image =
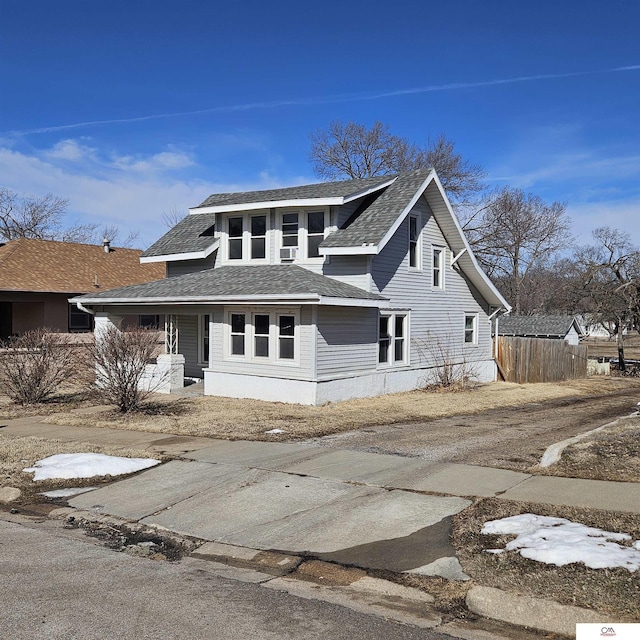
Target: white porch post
pixel 170 365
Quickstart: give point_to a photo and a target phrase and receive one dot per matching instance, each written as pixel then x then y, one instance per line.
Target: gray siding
pixel 347 340
pixel 350 269
pixel 182 267
pixel 437 316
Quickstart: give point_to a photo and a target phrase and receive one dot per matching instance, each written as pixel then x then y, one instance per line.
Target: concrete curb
pixel 535 613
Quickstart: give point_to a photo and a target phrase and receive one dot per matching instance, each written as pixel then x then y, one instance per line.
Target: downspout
pixel 83 308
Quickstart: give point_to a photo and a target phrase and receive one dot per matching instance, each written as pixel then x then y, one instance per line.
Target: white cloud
pixel 129 191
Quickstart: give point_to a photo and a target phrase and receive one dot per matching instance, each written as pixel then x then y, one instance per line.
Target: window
pixel 414 242
pixel 315 233
pixel 290 230
pixel 471 328
pixel 203 338
pixel 238 329
pixel 148 321
pixel 286 337
pixel 392 339
pixel 263 336
pixel 79 320
pixel 236 231
pixel 437 258
pixel 258 237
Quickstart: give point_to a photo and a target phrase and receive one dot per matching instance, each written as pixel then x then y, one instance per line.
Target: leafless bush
pixel 34 365
pixel 120 359
pixel 449 370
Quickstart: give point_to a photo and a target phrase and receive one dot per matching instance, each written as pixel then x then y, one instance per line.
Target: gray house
pixel 317 293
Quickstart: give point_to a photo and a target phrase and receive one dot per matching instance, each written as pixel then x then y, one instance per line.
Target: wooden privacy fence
pixel 540 360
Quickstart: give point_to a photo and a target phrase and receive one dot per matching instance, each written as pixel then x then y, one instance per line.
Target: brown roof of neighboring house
pixel 69 267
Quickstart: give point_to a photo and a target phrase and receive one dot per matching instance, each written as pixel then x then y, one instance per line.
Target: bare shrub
pixel 120 359
pixel 449 370
pixel 34 365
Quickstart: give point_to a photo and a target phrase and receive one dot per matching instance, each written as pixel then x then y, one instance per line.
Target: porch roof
pixel 240 284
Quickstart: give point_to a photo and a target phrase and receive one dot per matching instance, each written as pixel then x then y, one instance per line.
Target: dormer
pixel 264 227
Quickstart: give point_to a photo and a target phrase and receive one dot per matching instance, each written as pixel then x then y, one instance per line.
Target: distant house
pixel 318 293
pixel 37 277
pixel 565 328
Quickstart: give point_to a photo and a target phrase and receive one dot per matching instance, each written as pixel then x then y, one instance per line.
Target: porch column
pixel 171 334
pixel 171 363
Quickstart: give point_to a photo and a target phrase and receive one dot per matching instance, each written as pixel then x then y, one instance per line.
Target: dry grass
pixel 67 399
pixel 615 592
pixel 17 454
pixel 250 419
pixel 611 454
pixel 603 348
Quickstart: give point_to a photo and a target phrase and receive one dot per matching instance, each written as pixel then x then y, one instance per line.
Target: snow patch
pixel 86 465
pixel 559 541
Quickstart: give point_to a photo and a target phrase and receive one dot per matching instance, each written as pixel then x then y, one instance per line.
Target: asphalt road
pixel 55 585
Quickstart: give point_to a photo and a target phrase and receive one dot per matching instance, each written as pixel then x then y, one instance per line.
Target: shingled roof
pixel 374 222
pixel 191 235
pixel 342 189
pixel 538 326
pixel 233 282
pixel 66 267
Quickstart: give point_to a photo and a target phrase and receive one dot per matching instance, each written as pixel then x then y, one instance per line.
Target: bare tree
pixel 610 281
pixel 36 364
pixel 516 233
pixel 171 217
pixel 30 217
pixel 352 150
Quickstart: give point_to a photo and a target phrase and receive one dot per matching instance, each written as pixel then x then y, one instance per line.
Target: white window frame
pixel 205 321
pixel 246 238
pixel 303 232
pixel 418 242
pixel 474 317
pixel 391 326
pixel 274 335
pixel 437 250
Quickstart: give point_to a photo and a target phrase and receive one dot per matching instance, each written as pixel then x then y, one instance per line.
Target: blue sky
pixel 129 109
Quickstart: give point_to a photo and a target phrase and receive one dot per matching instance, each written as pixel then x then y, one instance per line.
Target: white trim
pixel 295 202
pixel 458 255
pixel 418 253
pixel 312 298
pixel 391 362
pixel 191 255
pixel 365 249
pixel 476 321
pixel 202 358
pixel 441 272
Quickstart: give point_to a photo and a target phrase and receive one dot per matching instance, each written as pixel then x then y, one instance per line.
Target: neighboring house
pixel 565 328
pixel 38 276
pixel 318 293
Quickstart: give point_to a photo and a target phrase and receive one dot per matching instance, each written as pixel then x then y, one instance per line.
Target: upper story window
pixel 247 237
pixel 437 267
pixel 236 238
pixel 258 237
pixel 315 232
pixel 302 232
pixel 415 252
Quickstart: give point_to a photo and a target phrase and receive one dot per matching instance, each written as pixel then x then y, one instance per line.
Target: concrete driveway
pixel 339 505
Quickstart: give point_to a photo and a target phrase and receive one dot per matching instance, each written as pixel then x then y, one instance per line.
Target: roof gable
pixel 66 267
pixel 538 326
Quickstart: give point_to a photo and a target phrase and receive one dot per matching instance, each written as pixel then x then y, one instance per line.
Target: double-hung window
pixel 290 230
pixel 236 238
pixel 392 339
pixel 315 233
pixel 471 328
pixel 414 242
pixel 437 267
pixel 247 237
pixel 263 336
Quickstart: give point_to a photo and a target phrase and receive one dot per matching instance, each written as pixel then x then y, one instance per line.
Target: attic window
pixel 209 231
